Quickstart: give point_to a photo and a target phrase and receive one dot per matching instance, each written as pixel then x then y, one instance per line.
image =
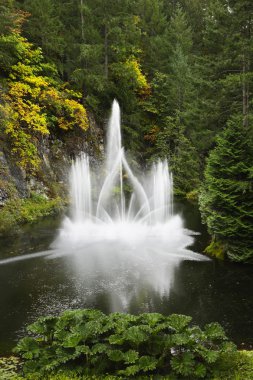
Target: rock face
pixel 56 154
pixel 3 196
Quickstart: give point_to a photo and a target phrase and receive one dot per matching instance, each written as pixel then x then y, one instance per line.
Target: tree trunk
pixel 82 19
pixel 245 92
pixel 106 51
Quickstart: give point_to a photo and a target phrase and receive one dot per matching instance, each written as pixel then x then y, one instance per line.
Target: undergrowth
pixel 20 211
pixel 90 343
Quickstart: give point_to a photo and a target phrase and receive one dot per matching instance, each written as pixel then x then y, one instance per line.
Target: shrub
pixel 92 343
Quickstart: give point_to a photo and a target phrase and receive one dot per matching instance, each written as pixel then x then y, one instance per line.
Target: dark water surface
pixel 206 290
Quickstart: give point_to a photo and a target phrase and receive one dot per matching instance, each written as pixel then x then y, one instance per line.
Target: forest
pixel 182 72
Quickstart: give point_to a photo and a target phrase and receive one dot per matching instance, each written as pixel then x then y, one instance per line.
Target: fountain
pixel 122 237
pixel 148 204
pixel 101 209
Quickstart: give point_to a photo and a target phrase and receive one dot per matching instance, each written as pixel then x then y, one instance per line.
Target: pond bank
pixel 17 212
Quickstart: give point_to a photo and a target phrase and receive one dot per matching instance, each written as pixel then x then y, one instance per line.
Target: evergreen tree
pixel 179 63
pixel 11 20
pixel 227 197
pixel 44 28
pixel 154 44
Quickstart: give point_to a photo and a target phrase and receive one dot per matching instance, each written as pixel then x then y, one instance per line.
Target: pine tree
pixel 226 201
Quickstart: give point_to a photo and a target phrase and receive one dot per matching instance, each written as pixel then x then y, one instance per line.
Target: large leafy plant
pixel 91 342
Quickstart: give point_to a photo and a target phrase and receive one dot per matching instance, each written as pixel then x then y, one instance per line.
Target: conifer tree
pixel 227 197
pixel 44 28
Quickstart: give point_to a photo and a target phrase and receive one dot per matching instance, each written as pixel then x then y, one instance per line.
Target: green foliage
pixel 227 197
pixel 231 365
pixel 44 28
pixel 193 195
pixel 9 368
pixel 169 141
pixel 216 249
pixel 91 343
pixel 236 365
pixel 19 211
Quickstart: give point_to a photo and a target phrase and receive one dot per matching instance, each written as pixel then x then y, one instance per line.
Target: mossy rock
pixel 216 249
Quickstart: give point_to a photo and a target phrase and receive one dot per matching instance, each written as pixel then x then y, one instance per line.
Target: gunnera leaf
pixel 215 331
pixel 179 321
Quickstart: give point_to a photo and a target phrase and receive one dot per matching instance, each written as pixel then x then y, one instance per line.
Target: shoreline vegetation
pixel 235 366
pixel 87 344
pixel 17 212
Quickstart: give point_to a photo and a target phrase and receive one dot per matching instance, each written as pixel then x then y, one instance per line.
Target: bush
pixel 91 343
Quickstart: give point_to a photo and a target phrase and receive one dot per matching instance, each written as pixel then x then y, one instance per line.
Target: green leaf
pixel 63 355
pixel 28 348
pixel 178 321
pixel 200 370
pixel 99 348
pixel 115 355
pixel 83 349
pixel 151 319
pixel 181 339
pixel 210 356
pixel 43 325
pixel 147 363
pixel 183 364
pixel 137 334
pixel 116 339
pixel 130 371
pixel 215 331
pixel 72 340
pixel 131 356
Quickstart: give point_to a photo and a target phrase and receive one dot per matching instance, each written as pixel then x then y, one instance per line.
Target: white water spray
pixel 142 216
pixel 122 230
pixel 146 205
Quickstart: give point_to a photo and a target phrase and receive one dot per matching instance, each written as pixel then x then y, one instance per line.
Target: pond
pixel 106 279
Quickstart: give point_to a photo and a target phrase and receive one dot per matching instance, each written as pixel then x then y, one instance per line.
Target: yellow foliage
pixel 70 113
pixel 76 113
pixel 37 81
pixel 143 87
pixel 32 102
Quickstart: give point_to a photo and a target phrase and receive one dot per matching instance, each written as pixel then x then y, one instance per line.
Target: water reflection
pixel 139 281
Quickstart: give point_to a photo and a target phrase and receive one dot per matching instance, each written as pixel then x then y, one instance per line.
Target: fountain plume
pixel 149 204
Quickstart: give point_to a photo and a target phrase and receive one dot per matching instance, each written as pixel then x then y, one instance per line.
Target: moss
pixel 216 249
pixel 234 366
pixel 20 211
pixel 193 195
pixel 8 187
